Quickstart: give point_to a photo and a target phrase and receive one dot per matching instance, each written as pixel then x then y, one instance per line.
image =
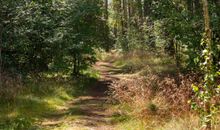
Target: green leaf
pixel 195 88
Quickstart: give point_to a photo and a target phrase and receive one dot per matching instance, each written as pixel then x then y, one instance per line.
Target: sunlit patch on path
pixel 90 112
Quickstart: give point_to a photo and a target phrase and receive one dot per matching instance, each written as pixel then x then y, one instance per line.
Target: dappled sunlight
pixel 109 64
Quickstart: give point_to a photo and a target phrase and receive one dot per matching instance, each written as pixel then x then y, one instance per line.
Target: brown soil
pixel 90 112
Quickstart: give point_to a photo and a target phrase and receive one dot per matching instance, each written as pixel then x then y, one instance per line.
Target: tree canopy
pixel 68 36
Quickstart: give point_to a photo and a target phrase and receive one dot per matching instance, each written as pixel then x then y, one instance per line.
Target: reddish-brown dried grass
pixel 169 94
pixel 10 87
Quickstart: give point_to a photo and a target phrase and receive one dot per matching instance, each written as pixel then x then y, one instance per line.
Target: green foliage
pixel 168 24
pixel 206 102
pixel 132 124
pixel 119 118
pixel 152 107
pixel 28 32
pixel 19 123
pixel 51 35
pixel 145 63
pixel 62 36
pixel 40 99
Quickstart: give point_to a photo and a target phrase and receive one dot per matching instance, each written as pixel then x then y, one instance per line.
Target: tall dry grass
pixel 159 93
pixel 10 87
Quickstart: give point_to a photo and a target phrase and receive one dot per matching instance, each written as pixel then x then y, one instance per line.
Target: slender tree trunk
pixel 208 39
pixel 197 6
pixel 106 28
pixel 208 31
pixel 1 57
pixel 121 17
pixel 76 65
pixel 1 42
pixel 190 6
pixel 217 4
pixel 117 9
pixel 125 13
pixel 140 11
pixel 129 13
pixel 106 9
pixel 146 8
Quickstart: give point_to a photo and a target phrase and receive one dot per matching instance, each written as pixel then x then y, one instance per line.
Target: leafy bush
pixel 19 123
pixel 51 35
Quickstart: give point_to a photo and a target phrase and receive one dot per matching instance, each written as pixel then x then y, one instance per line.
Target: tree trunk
pixel 147 4
pixel 125 13
pixel 1 43
pixel 208 39
pixel 118 20
pixel 129 13
pixel 197 6
pixel 106 9
pixel 190 6
pixel 121 17
pixel 140 11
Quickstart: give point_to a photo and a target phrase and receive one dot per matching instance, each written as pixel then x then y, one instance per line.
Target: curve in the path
pixel 92 110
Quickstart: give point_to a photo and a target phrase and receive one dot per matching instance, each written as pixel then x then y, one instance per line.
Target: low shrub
pixel 10 87
pixel 155 94
pixel 19 123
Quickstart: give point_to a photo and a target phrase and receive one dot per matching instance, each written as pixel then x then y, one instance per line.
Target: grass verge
pixel 41 98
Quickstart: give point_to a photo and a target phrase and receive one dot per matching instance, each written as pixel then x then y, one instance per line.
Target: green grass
pixel 119 118
pixel 131 125
pixel 126 119
pixel 92 73
pixel 40 99
pixel 157 116
pixel 36 101
pixel 146 63
pixel 187 123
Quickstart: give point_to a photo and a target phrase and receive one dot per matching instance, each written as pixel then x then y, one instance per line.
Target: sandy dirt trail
pixel 92 110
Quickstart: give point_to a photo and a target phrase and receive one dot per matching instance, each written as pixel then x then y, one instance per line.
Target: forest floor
pixel 90 111
pixel 86 105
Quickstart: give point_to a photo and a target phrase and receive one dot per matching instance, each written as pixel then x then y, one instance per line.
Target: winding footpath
pixel 89 112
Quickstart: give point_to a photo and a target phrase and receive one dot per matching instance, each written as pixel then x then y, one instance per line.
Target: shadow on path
pixel 88 112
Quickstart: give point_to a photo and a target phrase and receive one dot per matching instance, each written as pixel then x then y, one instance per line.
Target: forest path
pixel 89 112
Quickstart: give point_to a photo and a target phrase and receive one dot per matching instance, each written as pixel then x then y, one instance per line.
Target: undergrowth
pixel 157 93
pixel 145 63
pixel 37 98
